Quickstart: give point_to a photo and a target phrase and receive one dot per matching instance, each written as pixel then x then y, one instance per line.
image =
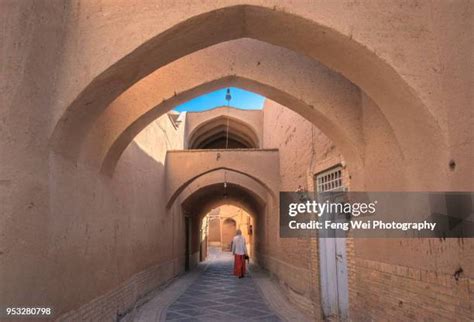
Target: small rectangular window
pixel 329 180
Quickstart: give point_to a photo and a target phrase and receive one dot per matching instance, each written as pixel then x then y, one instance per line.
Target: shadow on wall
pixel 109 231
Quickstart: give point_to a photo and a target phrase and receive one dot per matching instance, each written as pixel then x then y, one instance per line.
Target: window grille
pixel 329 180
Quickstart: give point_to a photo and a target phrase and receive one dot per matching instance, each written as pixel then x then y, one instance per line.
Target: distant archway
pixel 213 134
pixel 229 227
pixel 259 191
pixel 208 197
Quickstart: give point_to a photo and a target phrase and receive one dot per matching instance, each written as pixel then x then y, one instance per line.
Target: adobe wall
pixel 229 229
pixel 214 232
pixel 418 271
pixel 369 267
pixel 108 239
pixel 304 151
pixel 114 236
pixel 242 220
pixel 413 270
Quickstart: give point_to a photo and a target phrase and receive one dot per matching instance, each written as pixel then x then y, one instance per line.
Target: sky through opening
pixel 240 99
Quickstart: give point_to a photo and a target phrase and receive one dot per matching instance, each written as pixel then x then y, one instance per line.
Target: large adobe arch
pixel 345 137
pixel 211 130
pixel 310 89
pixel 339 135
pixel 414 125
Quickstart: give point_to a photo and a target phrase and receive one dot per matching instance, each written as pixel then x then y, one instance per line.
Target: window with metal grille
pixel 329 180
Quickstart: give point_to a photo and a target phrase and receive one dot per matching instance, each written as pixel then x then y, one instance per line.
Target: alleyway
pixel 214 294
pixel 134 134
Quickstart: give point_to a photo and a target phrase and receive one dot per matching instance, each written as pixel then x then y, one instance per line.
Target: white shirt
pixel 239 246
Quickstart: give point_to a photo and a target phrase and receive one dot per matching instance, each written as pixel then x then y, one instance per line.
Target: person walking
pixel 239 249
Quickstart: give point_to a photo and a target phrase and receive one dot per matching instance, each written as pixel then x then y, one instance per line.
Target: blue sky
pixel 240 99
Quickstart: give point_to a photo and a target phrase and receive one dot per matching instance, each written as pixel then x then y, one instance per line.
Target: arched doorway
pixel 223 132
pixel 229 227
pixel 240 208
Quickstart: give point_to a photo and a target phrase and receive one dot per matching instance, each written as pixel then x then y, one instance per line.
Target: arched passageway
pixel 212 196
pixel 335 132
pixel 87 157
pixel 219 226
pixel 397 102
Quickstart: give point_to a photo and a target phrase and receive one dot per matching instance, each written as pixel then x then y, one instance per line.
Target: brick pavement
pixel 214 294
pixel 219 296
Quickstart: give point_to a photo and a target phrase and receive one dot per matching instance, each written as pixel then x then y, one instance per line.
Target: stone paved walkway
pixel 212 293
pixel 219 296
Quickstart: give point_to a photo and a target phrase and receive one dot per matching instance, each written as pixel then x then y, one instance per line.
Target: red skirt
pixel 239 265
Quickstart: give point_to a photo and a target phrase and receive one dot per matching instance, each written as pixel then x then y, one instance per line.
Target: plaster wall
pixel 242 221
pixel 107 230
pixel 304 150
pixel 229 228
pixel 214 234
pixel 103 235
